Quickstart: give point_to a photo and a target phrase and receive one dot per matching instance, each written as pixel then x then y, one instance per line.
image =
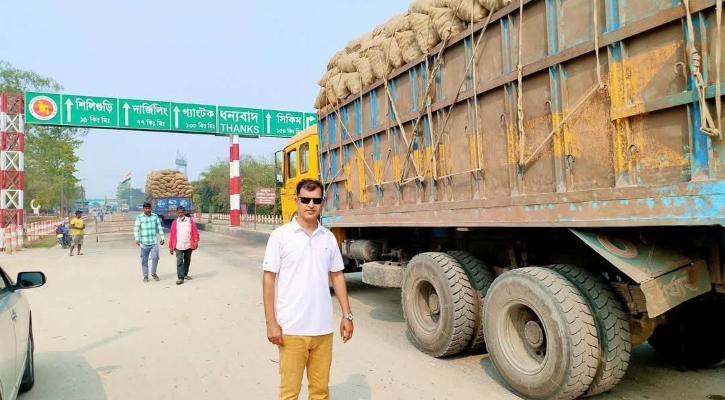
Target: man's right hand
pixel 171 251
pixel 138 243
pixel 274 333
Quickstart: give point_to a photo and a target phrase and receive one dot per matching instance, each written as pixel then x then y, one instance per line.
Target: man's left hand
pixel 346 329
pixel 162 242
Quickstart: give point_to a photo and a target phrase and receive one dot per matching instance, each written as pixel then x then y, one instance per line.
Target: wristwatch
pixel 348 316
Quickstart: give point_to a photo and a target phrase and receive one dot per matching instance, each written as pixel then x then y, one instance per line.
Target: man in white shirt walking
pixel 301 258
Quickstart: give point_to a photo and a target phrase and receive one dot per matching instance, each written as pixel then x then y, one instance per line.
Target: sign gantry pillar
pixel 12 146
pixel 234 186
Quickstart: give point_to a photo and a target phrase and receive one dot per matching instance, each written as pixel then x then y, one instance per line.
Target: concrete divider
pixel 259 235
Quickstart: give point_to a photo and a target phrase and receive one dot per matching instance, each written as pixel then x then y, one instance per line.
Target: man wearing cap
pixel 147 230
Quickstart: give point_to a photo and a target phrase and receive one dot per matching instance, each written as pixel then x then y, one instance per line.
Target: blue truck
pixel 165 207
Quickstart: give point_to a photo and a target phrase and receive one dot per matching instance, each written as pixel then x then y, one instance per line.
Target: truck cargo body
pixel 568 144
pixel 631 153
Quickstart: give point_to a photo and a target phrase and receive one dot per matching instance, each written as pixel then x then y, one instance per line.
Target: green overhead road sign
pixel 196 118
pixel 90 111
pixel 287 123
pixel 144 114
pixel 240 121
pixel 114 113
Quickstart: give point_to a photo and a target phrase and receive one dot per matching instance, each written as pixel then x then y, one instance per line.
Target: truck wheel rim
pixel 524 336
pixel 428 306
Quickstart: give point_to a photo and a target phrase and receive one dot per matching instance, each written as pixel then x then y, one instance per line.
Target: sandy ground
pixel 103 334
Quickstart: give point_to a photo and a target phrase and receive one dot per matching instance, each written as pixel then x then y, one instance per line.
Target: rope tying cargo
pixel 520 95
pixel 595 13
pixel 718 62
pixel 707 124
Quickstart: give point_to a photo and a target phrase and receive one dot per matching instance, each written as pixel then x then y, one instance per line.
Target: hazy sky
pixel 261 54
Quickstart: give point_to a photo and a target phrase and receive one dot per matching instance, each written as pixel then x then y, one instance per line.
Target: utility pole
pixel 62 183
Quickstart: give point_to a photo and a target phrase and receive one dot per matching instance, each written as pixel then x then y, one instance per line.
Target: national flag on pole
pixel 127 177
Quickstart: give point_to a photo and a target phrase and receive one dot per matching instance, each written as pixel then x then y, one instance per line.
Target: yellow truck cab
pixel 298 161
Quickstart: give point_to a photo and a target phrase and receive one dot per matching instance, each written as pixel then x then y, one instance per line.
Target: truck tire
pixel 612 322
pixel 438 304
pixel 694 338
pixel 541 335
pixel 481 277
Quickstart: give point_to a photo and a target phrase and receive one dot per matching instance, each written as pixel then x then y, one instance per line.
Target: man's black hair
pixel 310 184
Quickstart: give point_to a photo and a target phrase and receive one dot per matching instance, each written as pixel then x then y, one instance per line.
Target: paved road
pixel 103 334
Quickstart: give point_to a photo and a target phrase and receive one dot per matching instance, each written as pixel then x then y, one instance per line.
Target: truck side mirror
pixel 278 174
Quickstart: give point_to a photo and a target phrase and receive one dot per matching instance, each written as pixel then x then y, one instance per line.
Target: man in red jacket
pixel 183 238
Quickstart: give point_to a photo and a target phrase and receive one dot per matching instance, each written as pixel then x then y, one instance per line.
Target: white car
pixel 17 370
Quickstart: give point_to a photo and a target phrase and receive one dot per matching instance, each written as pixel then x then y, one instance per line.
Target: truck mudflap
pixel 667 278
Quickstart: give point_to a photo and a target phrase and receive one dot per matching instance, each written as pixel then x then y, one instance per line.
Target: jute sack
pixel 447 24
pixel 379 30
pixel 397 23
pixel 468 10
pixel 365 70
pixel 408 45
pixel 376 42
pixel 426 35
pixel 494 5
pixel 338 85
pixel 379 63
pixel 355 44
pixel 393 53
pixel 330 72
pixel 346 62
pixel 321 99
pixel 421 6
pixel 353 82
pixel 335 58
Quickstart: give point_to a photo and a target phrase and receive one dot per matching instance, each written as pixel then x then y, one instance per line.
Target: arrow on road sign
pixel 176 117
pixel 125 112
pixel 68 104
pixel 269 123
pixel 308 121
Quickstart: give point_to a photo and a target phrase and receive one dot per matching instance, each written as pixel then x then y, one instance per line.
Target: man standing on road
pixel 77 225
pixel 146 230
pixel 301 258
pixel 183 238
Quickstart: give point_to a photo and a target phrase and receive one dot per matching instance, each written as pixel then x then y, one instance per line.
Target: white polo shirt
pixel 302 262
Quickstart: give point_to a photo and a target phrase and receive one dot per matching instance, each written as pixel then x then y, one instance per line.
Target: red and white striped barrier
pixel 13 237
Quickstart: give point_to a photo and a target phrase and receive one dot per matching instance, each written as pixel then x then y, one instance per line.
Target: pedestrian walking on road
pixel 183 239
pixel 147 231
pixel 301 258
pixel 77 225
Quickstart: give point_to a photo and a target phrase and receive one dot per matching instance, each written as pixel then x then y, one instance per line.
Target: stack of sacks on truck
pixel 402 39
pixel 167 183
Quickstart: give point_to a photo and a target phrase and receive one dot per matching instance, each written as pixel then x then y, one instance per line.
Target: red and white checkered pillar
pixel 12 146
pixel 234 197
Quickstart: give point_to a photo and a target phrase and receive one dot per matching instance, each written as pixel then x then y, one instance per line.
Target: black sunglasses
pixel 306 200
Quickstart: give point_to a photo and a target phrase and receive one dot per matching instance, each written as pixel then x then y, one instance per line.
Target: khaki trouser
pixel 298 352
